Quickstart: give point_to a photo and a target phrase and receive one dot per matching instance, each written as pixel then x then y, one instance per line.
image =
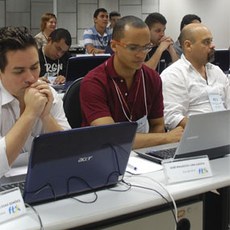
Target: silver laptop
pixel 205 134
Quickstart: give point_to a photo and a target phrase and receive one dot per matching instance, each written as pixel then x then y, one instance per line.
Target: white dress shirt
pixel 10 112
pixel 186 92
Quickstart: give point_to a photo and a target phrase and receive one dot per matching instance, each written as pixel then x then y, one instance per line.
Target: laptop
pixel 80 65
pixel 222 59
pixel 67 163
pixel 205 134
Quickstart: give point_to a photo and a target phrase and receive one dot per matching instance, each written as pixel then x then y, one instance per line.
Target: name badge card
pixel 11 204
pixel 216 102
pixel 186 169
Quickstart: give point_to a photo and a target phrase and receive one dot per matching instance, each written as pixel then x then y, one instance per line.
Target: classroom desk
pixel 69 213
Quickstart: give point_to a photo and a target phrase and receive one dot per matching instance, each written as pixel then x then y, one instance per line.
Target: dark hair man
pixel 125 89
pixel 28 106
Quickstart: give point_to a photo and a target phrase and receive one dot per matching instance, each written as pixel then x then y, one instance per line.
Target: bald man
pixel 192 85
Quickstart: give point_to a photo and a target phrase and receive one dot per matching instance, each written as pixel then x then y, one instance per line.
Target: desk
pixel 69 213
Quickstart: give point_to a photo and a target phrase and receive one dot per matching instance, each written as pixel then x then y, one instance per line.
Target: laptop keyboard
pixel 20 185
pixel 163 153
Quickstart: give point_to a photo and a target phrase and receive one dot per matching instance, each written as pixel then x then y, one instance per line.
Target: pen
pixel 132 167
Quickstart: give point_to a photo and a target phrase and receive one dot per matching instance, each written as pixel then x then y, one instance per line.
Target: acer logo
pixel 84 159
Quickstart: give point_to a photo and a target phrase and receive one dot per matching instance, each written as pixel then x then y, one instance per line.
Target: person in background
pixel 193 85
pixel 113 17
pixel 54 56
pixel 187 19
pixel 48 24
pixel 125 89
pixel 163 52
pixel 29 106
pixel 97 38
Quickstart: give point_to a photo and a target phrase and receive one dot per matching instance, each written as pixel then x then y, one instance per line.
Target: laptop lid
pixel 204 134
pixel 80 65
pixel 70 162
pixel 222 59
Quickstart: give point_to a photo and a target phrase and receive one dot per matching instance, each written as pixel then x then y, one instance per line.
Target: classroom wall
pixel 76 15
pixel 214 14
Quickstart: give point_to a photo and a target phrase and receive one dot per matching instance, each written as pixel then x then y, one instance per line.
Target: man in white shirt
pixel 28 106
pixel 193 85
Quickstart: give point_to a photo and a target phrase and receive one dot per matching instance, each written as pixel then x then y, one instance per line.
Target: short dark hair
pixel 13 39
pixel 155 18
pixel 187 19
pixel 59 34
pixel 113 14
pixel 118 30
pixel 98 11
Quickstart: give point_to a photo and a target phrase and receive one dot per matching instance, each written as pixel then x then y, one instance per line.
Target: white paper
pixel 16 171
pixel 138 165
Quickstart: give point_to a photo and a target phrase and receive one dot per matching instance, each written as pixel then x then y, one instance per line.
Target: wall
pixel 214 14
pixel 76 15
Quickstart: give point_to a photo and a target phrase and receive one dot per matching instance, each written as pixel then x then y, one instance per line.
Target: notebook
pixel 80 65
pixel 205 134
pixel 68 163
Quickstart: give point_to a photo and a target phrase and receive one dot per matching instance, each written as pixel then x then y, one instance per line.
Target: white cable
pixel 169 194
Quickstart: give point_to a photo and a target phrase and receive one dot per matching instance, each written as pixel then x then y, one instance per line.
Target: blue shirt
pixel 92 37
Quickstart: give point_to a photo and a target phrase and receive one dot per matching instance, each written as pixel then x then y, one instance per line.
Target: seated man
pixel 124 89
pixel 97 38
pixel 54 56
pixel 187 19
pixel 28 106
pixel 193 85
pixel 163 53
pixel 114 16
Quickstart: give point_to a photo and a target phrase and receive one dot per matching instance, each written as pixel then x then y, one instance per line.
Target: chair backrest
pixel 79 66
pixel 71 104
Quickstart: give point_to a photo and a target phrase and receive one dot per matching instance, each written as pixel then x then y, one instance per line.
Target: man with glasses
pixel 54 56
pixel 125 89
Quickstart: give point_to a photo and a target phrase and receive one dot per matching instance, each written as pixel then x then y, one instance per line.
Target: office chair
pixel 71 104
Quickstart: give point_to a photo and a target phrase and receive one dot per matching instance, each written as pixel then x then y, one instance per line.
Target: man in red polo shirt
pixel 124 89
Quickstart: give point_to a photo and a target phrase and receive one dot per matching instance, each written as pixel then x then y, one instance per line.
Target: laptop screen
pixel 79 66
pixel 79 160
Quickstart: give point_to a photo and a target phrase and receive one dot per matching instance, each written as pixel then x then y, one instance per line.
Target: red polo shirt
pixel 99 98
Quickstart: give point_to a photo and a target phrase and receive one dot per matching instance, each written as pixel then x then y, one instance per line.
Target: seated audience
pixel 125 89
pixel 113 17
pixel 29 106
pixel 97 38
pixel 54 56
pixel 187 19
pixel 193 85
pixel 48 25
pixel 162 53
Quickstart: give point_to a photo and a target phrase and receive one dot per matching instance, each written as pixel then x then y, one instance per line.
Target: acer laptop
pixel 67 163
pixel 205 134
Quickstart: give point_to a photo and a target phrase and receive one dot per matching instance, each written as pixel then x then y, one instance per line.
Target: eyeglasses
pixel 135 48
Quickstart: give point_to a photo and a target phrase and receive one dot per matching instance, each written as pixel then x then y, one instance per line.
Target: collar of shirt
pixel 111 72
pixel 6 97
pixel 106 33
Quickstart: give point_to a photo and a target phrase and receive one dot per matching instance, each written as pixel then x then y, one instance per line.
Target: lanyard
pixel 122 99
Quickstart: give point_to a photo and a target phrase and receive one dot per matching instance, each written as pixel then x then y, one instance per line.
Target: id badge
pixel 216 102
